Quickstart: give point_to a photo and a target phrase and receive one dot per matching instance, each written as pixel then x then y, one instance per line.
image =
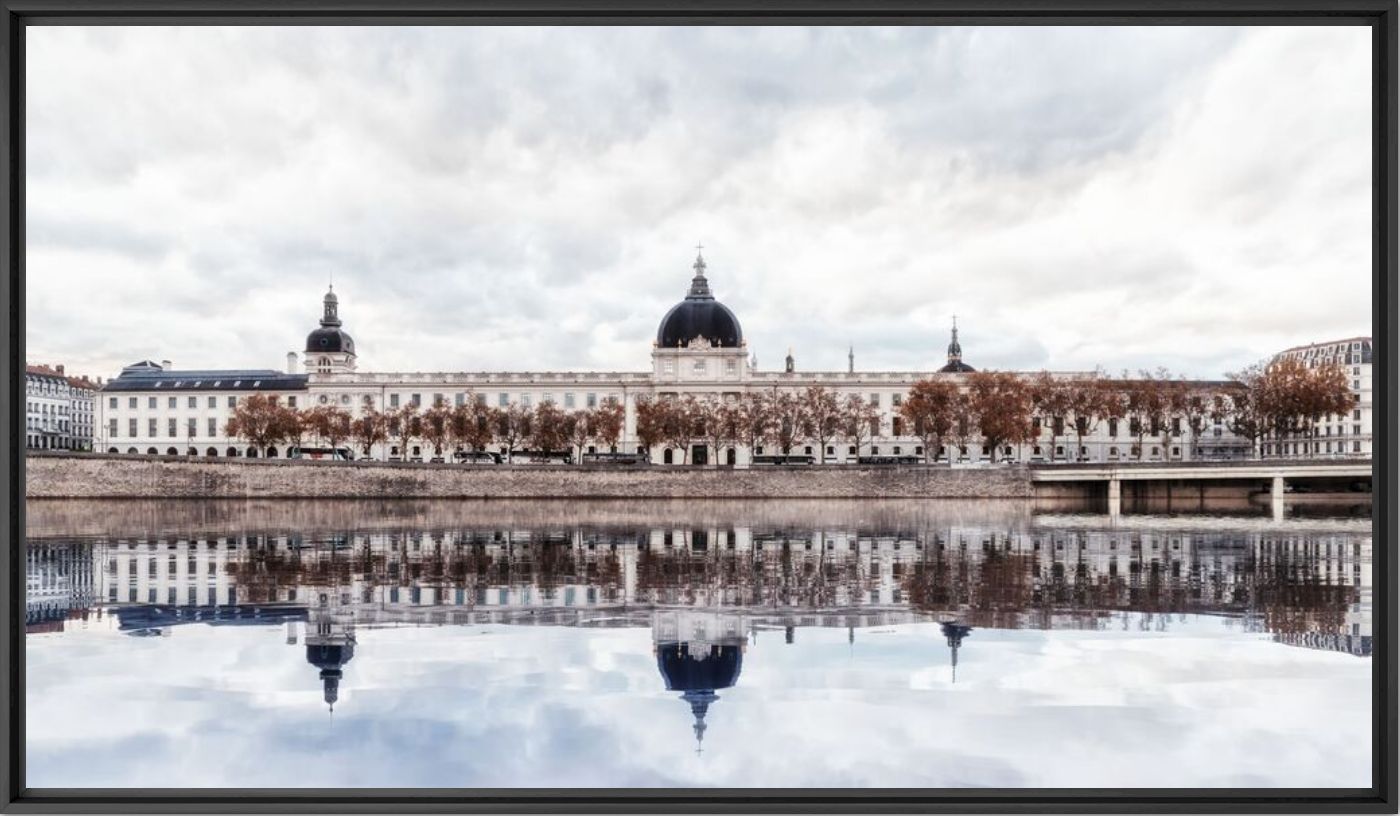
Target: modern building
pixel 1338 434
pixel 58 409
pixel 699 350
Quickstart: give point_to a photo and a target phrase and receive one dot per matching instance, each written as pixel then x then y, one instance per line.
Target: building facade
pixel 59 409
pixel 1335 434
pixel 699 351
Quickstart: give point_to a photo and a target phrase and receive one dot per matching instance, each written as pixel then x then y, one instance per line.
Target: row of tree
pixel 263 420
pixel 991 408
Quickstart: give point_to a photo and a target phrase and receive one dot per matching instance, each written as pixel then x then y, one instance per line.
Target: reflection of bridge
pixel 1278 475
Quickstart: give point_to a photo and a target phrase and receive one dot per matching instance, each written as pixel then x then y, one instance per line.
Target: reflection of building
pixel 698 653
pixel 954 632
pixel 58 584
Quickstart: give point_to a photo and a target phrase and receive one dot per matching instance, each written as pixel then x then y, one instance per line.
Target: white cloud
pixel 528 198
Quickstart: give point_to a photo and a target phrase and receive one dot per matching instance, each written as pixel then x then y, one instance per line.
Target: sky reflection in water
pixel 1242 669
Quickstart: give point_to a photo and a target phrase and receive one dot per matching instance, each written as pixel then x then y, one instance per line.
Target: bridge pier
pixel 1276 493
pixel 1115 496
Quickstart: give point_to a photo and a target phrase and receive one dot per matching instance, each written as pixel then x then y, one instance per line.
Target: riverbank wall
pixel 114 476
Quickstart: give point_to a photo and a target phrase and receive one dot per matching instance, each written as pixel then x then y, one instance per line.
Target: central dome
pixel 699 315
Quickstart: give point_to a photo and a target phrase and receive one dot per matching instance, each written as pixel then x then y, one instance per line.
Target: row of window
pixel 172 427
pixel 174 402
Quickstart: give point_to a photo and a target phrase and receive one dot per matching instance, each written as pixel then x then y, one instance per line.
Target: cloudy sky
pixel 503 198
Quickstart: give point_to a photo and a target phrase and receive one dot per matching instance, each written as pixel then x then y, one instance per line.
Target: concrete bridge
pixel 1278 474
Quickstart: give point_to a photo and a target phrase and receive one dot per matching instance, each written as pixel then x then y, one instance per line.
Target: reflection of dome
pixel 330 658
pixel 716 668
pixel 698 675
pixel 330 337
pixel 699 315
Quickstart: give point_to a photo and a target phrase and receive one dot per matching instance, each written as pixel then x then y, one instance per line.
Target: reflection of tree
pixel 984 576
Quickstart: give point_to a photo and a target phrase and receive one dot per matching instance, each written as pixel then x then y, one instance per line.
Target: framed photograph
pixel 919 406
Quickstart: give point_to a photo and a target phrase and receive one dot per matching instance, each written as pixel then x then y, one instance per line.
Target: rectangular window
pixel 213 402
pixel 568 399
pixel 480 399
pixel 112 428
pixel 150 403
pixel 291 400
pixel 171 427
pixel 592 401
pixel 417 400
pixel 213 427
pixel 194 402
pixel 393 400
pixel 439 400
pixel 151 427
pixel 131 427
pixel 190 426
pixel 233 402
pixel 112 402
pixel 897 400
pixel 525 400
pixel 504 400
pixel 875 399
pixel 461 400
pixel 171 402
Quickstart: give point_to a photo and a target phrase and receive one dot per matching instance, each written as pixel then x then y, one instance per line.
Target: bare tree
pixel 756 417
pixel 822 413
pixel 721 424
pixel 369 429
pixel 860 420
pixel 512 426
pixel 789 417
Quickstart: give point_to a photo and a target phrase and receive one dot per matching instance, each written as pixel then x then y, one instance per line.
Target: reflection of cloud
pixel 864 180
pixel 539 706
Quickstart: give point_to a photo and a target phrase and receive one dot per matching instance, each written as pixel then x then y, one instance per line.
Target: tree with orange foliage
pixel 1000 401
pixel 929 410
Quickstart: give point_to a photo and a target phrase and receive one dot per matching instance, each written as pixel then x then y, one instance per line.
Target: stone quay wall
pixel 115 476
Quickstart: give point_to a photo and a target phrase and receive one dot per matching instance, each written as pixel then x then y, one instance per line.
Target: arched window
pixel 131 450
pixel 171 452
pixel 666 456
pixel 252 453
pixel 112 450
pixel 192 452
pixel 730 457
pixel 151 451
pixel 231 452
pixel 212 452
pixel 272 453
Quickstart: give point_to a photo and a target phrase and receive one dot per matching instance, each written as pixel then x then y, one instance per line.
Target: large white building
pixel 1339 434
pixel 699 350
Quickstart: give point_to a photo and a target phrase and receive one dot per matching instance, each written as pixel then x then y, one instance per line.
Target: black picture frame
pixel 1380 15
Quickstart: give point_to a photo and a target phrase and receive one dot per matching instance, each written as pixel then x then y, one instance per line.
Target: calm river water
pixel 692 644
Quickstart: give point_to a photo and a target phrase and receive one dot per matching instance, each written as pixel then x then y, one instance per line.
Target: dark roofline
pixel 186 381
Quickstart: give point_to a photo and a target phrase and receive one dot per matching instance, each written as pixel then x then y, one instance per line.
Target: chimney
pixel 166 365
pixel 60 369
pixel 291 362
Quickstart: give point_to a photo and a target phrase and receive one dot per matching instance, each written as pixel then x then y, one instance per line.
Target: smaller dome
pixel 330 339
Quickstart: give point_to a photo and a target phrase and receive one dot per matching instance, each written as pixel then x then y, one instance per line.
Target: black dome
pixel 330 339
pixel 699 315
